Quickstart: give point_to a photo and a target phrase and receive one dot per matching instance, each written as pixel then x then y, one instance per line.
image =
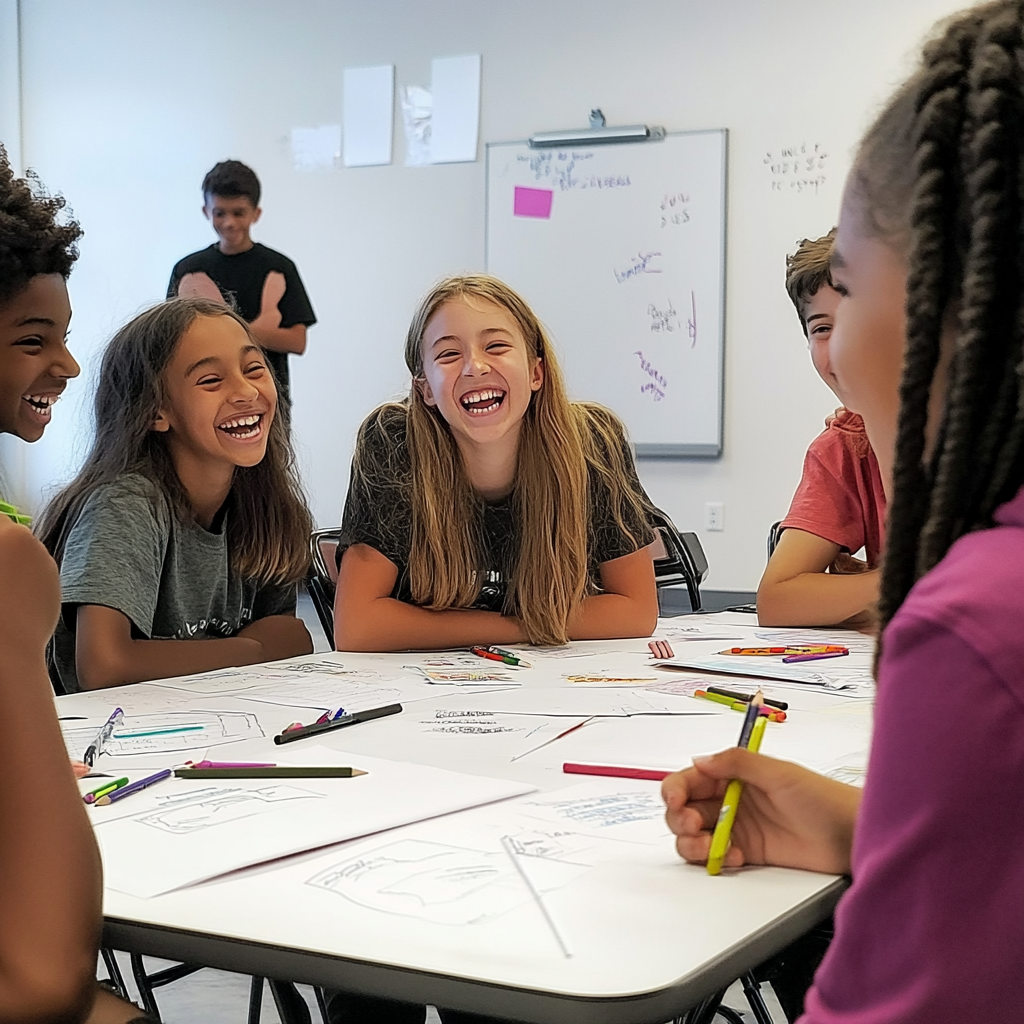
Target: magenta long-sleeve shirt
pixel 932 928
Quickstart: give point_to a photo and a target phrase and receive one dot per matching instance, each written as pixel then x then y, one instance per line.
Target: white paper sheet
pixel 588 702
pixel 476 736
pixel 852 679
pixel 455 121
pixel 417 104
pixel 463 876
pixel 368 115
pixel 317 148
pixel 306 687
pixel 186 831
pixel 854 642
pixel 162 733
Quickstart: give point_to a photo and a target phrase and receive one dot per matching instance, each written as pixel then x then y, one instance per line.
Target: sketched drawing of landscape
pixel 457 885
pixel 207 808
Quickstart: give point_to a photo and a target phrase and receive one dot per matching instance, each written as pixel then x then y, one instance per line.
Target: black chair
pixel 679 560
pixel 678 557
pixel 323 580
pixel 774 533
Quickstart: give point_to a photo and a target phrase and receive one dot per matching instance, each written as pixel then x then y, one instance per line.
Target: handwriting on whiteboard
pixel 797 169
pixel 641 263
pixel 663 319
pixel 675 209
pixel 656 386
pixel 559 169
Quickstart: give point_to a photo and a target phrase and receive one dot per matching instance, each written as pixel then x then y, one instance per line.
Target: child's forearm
pixel 290 340
pixel 614 616
pixel 817 598
pixel 50 874
pixel 386 624
pixel 138 661
pixel 106 654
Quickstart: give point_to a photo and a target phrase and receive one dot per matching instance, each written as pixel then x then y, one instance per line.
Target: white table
pixel 650 935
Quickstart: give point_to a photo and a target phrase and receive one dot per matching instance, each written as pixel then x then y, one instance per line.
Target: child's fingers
pixel 273 288
pixel 199 286
pixel 80 768
pixel 660 649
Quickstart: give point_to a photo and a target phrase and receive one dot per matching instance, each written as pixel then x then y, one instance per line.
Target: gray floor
pixel 219 997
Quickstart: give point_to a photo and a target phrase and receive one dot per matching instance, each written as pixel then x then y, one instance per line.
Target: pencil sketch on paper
pixel 207 808
pixel 323 692
pixel 167 733
pixel 456 885
pixel 605 810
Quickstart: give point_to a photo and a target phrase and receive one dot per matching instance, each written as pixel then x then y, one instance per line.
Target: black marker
pixel 337 723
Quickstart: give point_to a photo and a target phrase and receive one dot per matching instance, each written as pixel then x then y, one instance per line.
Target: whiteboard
pixel 620 250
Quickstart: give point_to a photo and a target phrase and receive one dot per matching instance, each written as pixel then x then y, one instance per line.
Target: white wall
pixel 127 104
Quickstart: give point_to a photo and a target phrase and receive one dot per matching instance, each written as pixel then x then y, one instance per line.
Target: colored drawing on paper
pixel 532 202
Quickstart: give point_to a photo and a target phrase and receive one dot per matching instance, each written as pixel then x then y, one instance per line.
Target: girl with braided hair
pixel 928 346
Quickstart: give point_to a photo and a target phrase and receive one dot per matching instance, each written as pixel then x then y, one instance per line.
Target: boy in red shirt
pixel 812 578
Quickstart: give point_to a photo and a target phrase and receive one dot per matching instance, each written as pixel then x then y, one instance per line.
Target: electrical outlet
pixel 714 516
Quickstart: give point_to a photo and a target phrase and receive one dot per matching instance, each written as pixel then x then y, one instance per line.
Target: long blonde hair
pixel 561 444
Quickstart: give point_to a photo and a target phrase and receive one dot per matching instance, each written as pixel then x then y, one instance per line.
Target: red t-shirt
pixel 840 497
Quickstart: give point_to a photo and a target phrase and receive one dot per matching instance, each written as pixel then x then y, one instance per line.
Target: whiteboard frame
pixel 657 450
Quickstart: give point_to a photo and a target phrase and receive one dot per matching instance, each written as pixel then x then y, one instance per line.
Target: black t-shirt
pixel 240 279
pixel 378 512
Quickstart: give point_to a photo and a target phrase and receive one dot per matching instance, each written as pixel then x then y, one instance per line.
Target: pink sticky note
pixel 533 202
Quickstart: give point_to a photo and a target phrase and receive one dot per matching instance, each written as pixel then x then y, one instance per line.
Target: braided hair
pixel 32 242
pixel 941 175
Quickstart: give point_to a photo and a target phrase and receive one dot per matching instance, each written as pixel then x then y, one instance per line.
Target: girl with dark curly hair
pixel 50 873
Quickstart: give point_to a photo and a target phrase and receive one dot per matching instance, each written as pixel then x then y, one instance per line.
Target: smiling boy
pixel 812 578
pixel 262 284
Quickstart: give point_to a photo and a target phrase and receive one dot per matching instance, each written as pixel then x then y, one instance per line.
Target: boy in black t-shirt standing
pixel 263 285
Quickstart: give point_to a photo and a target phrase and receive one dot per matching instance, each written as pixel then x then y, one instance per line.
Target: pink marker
pixel 617 771
pixel 230 764
pixel 792 659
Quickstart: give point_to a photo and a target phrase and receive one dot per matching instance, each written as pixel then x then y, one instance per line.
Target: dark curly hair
pixel 31 240
pixel 230 179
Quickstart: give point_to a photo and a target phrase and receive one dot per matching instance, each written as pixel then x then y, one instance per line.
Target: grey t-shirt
pixel 173 580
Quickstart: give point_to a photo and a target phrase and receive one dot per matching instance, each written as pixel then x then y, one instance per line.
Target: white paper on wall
pixel 417 105
pixel 455 84
pixel 368 115
pixel 315 149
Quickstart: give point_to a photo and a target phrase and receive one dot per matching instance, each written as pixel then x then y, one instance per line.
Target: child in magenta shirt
pixel 927 348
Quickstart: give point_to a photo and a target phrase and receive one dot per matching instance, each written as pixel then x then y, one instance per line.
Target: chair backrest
pixel 774 533
pixel 678 557
pixel 323 580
